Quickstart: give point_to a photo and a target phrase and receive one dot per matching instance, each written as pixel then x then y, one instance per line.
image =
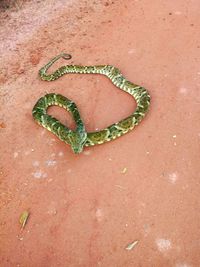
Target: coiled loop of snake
pixel 80 138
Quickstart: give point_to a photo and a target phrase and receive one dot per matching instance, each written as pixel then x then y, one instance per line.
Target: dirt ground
pixel 131 202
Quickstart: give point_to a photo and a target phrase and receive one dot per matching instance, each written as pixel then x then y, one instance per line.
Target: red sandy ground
pixel 84 210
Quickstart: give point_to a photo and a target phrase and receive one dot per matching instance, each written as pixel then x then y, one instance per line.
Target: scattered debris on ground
pixel 131 245
pixel 23 218
pixel 124 170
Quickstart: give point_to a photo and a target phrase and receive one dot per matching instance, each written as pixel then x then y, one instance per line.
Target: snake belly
pixel 80 138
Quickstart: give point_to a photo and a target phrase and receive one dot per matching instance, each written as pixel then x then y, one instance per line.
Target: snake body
pixel 80 138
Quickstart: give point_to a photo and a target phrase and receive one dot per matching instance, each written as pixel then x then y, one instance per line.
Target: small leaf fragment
pixel 132 245
pixel 124 170
pixel 23 218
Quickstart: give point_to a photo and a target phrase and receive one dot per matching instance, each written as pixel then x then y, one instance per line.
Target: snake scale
pixel 79 138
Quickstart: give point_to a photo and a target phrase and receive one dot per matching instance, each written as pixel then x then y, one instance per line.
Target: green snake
pixel 79 138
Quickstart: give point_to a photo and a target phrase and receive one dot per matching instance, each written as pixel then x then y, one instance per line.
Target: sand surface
pixel 87 210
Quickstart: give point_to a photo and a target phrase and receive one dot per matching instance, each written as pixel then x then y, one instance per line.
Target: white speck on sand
pixel 99 215
pixel 163 244
pixel 43 132
pixel 87 152
pixel 178 13
pixel 69 170
pixel 60 154
pixel 51 162
pixel 147 229
pixel 185 187
pixel 147 152
pixel 143 204
pixel 52 211
pixel 132 51
pixel 183 90
pixel 173 177
pixel 174 136
pixel 182 264
pixel 51 141
pixel 15 155
pixel 37 174
pixel 36 163
pixel 121 187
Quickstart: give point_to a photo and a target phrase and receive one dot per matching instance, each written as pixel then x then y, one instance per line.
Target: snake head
pixel 77 140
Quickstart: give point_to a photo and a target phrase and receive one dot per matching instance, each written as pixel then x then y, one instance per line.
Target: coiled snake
pixel 80 138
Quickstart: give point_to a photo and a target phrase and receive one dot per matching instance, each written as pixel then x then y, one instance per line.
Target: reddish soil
pixel 85 209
